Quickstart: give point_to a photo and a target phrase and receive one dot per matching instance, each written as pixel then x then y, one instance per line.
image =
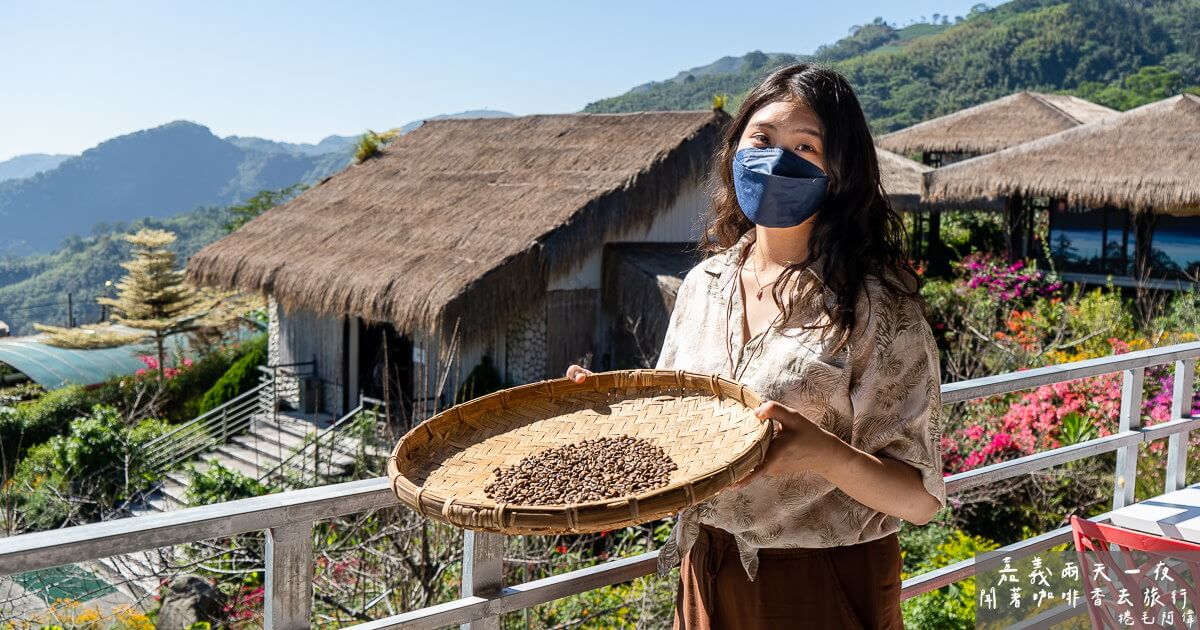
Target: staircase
pixel 270 445
pixel 281 449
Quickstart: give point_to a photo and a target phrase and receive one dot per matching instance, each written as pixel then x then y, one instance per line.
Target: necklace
pixel 761 286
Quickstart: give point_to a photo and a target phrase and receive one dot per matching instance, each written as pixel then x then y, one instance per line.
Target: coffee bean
pixel 589 470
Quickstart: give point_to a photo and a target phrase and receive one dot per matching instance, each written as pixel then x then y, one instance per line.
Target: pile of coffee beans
pixel 591 470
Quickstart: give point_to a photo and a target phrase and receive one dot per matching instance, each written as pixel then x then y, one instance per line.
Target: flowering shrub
pixel 70 614
pixel 244 609
pixel 1056 415
pixel 151 364
pixel 1005 281
pixel 994 317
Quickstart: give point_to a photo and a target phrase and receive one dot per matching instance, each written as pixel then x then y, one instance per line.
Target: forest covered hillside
pixel 1115 52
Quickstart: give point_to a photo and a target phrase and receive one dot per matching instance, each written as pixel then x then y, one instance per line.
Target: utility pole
pixel 70 311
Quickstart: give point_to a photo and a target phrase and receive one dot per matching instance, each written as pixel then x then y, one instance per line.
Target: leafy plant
pixel 261 202
pixel 240 377
pixel 217 483
pixel 371 142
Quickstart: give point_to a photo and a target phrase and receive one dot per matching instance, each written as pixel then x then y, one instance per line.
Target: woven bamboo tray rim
pixel 438 435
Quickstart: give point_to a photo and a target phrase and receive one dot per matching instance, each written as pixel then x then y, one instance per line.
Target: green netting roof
pixel 53 367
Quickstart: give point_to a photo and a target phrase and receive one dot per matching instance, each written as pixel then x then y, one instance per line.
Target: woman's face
pixel 788 125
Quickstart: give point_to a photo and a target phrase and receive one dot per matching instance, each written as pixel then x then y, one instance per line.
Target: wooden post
pixel 935 253
pixel 1143 234
pixel 1013 207
pixel 1181 408
pixel 1131 420
pixel 1104 240
pixel 287 602
pixel 483 572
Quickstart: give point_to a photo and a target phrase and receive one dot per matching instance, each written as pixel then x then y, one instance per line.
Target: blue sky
pixel 73 74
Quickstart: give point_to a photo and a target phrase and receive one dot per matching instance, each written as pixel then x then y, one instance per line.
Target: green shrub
pixel 186 390
pixel 1181 320
pixel 33 422
pixel 931 547
pixel 77 476
pixel 218 483
pixel 240 377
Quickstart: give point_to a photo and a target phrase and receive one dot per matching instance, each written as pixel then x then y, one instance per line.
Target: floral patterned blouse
pixel 881 394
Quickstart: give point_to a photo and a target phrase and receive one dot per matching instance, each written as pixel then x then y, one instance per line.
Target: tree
pixel 260 203
pixel 153 300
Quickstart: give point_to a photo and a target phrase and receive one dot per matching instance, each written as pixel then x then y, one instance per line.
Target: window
pixel 1092 240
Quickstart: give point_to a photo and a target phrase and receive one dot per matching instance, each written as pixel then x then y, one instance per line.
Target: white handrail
pixel 288 516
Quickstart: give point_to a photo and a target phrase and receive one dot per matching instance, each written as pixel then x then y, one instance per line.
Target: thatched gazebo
pixel 492 227
pixel 992 126
pixel 985 128
pixel 902 178
pixel 1146 160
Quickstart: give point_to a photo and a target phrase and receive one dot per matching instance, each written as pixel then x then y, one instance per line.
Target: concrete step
pixel 257 459
pixel 259 450
pixel 173 495
pixel 270 439
pixel 136 575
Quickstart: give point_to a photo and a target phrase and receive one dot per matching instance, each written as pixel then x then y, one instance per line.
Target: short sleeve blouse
pixel 880 393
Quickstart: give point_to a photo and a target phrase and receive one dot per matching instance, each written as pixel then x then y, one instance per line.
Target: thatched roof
pixel 1146 157
pixel 995 125
pixel 902 179
pixel 464 217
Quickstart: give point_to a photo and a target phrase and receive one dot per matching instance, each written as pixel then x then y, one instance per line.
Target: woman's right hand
pixel 578 373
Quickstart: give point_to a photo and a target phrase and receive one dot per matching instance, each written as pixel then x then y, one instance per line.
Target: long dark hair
pixel 856 233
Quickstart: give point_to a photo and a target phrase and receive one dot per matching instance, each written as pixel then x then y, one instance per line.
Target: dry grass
pixel 1147 157
pixel 464 217
pixel 996 125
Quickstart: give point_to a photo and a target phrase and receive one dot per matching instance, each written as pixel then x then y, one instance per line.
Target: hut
pixel 986 128
pixel 1144 163
pixel 471 242
pixel 902 178
pixel 992 126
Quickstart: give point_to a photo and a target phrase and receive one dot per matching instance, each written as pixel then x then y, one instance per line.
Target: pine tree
pixel 152 299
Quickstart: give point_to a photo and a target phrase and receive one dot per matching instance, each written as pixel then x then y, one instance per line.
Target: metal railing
pixel 288 518
pixel 303 466
pixel 209 429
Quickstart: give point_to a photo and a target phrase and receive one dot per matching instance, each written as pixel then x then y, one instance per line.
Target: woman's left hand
pixel 799 444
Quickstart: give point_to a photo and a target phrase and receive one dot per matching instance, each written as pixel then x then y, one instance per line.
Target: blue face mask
pixel 777 188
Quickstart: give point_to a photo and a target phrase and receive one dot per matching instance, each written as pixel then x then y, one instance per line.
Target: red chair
pixel 1135 568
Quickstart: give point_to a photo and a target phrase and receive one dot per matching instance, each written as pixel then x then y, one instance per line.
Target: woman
pixel 808 300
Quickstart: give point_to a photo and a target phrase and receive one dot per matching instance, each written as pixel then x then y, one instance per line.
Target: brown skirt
pixel 854 586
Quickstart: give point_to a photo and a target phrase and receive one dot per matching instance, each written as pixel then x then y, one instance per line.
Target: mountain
pixel 1116 52
pixel 156 172
pixel 471 113
pixel 156 163
pixel 330 144
pixel 29 165
pixel 339 144
pixel 35 288
pixel 723 66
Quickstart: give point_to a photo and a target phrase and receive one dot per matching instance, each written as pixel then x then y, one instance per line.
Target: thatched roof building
pixel 902 178
pixel 1147 157
pixel 464 218
pixel 995 125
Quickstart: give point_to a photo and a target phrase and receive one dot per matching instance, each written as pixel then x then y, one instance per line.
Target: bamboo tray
pixel 704 422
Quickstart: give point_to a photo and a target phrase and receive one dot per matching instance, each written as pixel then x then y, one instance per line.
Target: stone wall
pixel 301 336
pixel 525 347
pixel 287 388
